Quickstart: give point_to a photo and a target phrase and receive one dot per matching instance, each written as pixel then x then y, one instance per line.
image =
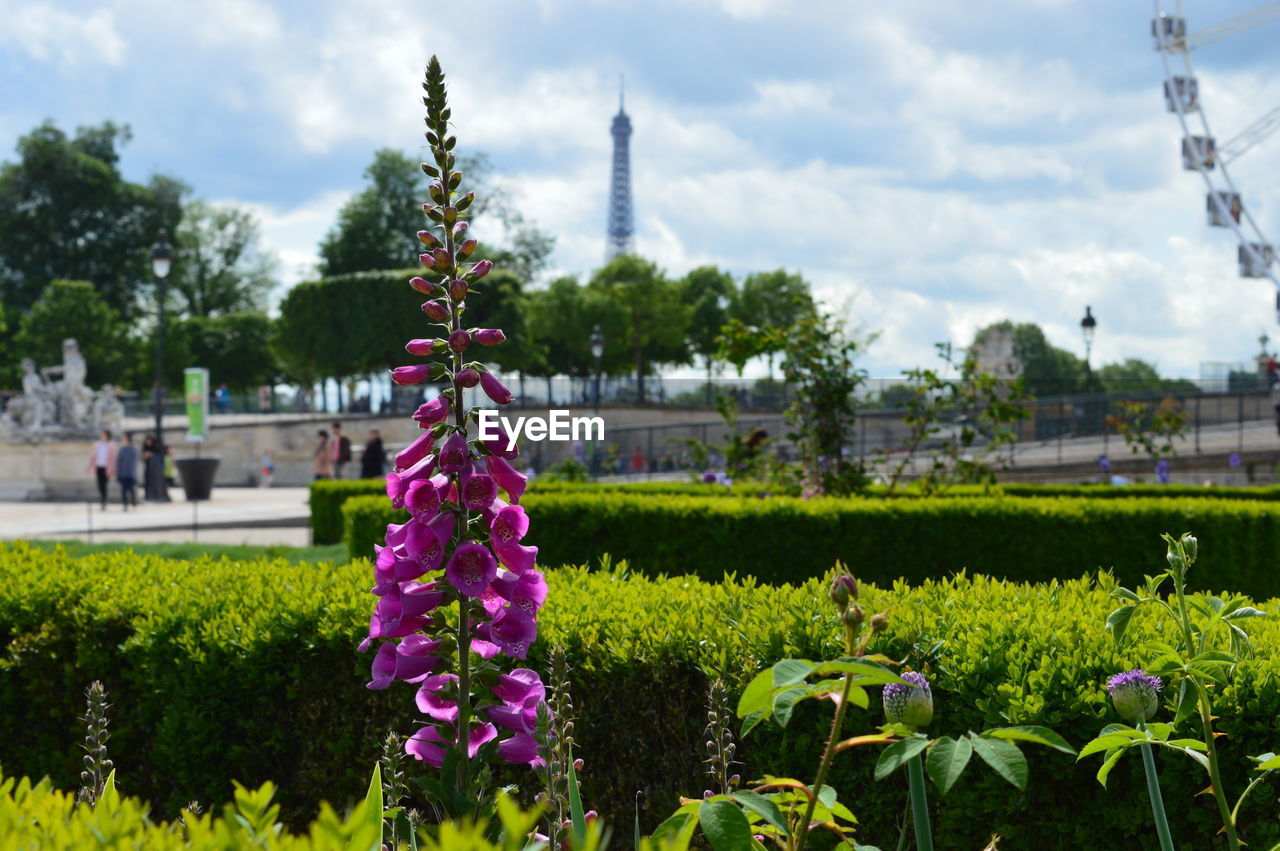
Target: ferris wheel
pixel 1201 150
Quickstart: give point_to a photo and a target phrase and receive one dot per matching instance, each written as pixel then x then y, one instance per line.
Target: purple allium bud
pixel 420 346
pixel 457 289
pixel 415 374
pixel 909 704
pixel 1104 464
pixel 468 378
pixel 1234 459
pixel 1135 695
pixel 459 340
pixel 489 336
pixel 422 285
pixel 432 412
pixel 435 310
pixel 843 588
pixel 1162 471
pixel 479 270
pixel 428 239
pixel 494 389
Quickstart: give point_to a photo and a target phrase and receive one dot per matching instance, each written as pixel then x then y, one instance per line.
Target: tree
pixel 559 329
pixel 502 305
pixel 772 300
pixel 651 326
pixel 1134 375
pixel 74 309
pixel 234 347
pixel 1046 369
pixel 66 212
pixel 220 266
pixel 711 293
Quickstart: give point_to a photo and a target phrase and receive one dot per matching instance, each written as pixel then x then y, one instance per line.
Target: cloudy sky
pixel 930 168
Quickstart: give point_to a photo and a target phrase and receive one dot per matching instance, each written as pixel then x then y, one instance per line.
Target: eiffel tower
pixel 621 224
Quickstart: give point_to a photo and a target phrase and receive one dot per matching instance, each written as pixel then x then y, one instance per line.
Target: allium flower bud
pixel 415 374
pixel 457 289
pixel 435 310
pixel 428 239
pixel 1135 695
pixel 494 389
pixel 843 588
pixel 459 340
pixel 422 285
pixel 420 347
pixel 489 336
pixel 479 270
pixel 909 704
pixel 468 378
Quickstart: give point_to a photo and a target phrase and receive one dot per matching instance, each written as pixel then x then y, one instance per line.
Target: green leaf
pixel 763 807
pixel 790 672
pixel 1186 702
pixel 1104 743
pixel 724 826
pixel 1118 621
pixel 1034 734
pixel 109 800
pixel 749 723
pixel 1109 764
pixel 758 696
pixel 1003 757
pixel 371 809
pixel 577 818
pixel 1122 593
pixel 947 761
pixel 785 702
pixel 1245 612
pixel 897 755
pixel 1189 744
pixel 1269 765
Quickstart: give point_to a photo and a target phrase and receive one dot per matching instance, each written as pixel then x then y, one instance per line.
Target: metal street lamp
pixel 161 264
pixel 1088 328
pixel 597 352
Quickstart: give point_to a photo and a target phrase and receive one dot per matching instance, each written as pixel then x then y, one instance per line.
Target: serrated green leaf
pixel 947 760
pixel 1034 734
pixel 1245 612
pixel 724 826
pixel 1004 758
pixel 790 672
pixel 897 754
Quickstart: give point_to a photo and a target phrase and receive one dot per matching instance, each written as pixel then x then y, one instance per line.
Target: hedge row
pixel 327 496
pixel 785 539
pixel 222 669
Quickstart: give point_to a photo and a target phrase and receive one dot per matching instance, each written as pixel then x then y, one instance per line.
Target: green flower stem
pixel 1153 791
pixel 919 804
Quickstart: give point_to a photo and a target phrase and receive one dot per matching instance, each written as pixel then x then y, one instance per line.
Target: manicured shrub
pixel 784 539
pixel 221 669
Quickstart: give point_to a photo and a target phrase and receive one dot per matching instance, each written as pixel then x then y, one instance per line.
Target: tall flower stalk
pixel 457 588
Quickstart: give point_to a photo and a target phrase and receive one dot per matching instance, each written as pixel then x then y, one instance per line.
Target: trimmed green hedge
pixel 327 496
pixel 784 539
pixel 222 669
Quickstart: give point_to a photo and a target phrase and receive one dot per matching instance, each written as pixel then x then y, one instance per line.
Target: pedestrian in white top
pixel 102 462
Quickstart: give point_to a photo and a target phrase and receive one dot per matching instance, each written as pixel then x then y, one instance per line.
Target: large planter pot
pixel 197 476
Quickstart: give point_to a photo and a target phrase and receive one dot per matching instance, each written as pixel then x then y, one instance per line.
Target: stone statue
pixel 65 407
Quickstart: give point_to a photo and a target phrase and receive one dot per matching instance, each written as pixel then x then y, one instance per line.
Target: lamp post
pixel 1088 328
pixel 597 352
pixel 161 263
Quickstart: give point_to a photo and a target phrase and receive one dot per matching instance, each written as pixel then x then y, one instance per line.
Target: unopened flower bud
pixel 427 259
pixel 909 704
pixel 422 285
pixel 468 378
pixel 450 214
pixel 706 793
pixel 428 239
pixel 479 270
pixel 421 347
pixel 459 340
pixel 435 310
pixel 853 616
pixel 489 336
pixel 1135 695
pixel 1191 545
pixel 460 230
pixel 879 622
pixel 577 764
pixel 843 588
pixel 1176 562
pixel 457 289
pixel 466 248
pixel 494 389
pixel 441 259
pixel 415 374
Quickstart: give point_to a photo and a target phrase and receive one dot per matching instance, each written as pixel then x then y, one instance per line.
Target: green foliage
pixel 1150 429
pixel 220 266
pixel 75 309
pixel 783 539
pixel 234 347
pixel 224 669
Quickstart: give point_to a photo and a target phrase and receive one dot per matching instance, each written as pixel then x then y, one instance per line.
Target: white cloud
pixel 48 34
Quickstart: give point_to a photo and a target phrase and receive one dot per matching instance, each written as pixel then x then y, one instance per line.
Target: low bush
pixel 223 669
pixel 784 539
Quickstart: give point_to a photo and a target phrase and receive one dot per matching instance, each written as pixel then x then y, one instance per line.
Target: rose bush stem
pixel 919 804
pixel 1157 800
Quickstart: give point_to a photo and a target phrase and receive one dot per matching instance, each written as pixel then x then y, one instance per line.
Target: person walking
pixel 323 467
pixel 102 462
pixel 127 471
pixel 340 450
pixel 149 480
pixel 373 461
pixel 268 469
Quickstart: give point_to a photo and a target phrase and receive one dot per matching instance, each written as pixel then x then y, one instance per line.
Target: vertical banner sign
pixel 196 392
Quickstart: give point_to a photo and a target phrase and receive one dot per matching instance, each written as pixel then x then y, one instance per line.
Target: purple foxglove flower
pixel 493 389
pixel 509 525
pixel 518 686
pixel 483 648
pixel 414 452
pixel 409 662
pixel 525 592
pixel 521 748
pixel 468 377
pixel 479 492
pixel 1136 696
pixel 498 446
pixel 430 701
pixel 459 340
pixel 522 718
pixel 513 631
pixel 428 745
pixel 1233 460
pixel 395 490
pixel 396 533
pixel 428 238
pixel 436 310
pixel 422 499
pixel 415 374
pixel 420 347
pixel 426 542
pixel 911 705
pixel 454 453
pixel 430 413
pixel 506 476
pixel 489 336
pixel 471 568
pixel 457 290
pixel 393 566
pixel 422 285
pixel 479 270
pixel 516 558
pixel 410 602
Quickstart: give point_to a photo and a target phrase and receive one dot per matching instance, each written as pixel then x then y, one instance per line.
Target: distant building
pixel 621 225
